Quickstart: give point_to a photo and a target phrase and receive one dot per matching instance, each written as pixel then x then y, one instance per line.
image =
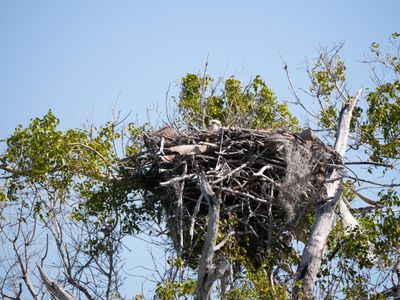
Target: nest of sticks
pixel 269 182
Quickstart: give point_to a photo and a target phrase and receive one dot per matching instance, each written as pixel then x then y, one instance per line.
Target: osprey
pixel 166 132
pixel 214 125
pixel 165 136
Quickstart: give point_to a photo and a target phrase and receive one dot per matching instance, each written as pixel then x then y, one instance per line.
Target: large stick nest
pixel 268 181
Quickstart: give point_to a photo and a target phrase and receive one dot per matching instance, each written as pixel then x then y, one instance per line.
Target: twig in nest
pixel 245 195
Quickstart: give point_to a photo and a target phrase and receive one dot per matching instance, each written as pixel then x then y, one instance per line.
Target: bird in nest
pixel 214 125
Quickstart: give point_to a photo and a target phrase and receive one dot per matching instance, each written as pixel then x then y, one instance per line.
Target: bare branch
pixel 54 287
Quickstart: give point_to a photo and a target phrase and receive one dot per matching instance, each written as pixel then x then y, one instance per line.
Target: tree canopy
pixel 78 193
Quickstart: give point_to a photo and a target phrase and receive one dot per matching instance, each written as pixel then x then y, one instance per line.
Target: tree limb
pixel 208 272
pixel 325 216
pixel 54 288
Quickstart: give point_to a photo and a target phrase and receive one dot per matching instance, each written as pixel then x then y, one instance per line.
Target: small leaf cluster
pixel 382 128
pixel 327 75
pixel 251 106
pixel 328 79
pixel 174 290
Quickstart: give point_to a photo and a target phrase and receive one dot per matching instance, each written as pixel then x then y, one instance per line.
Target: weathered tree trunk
pixel 208 272
pixel 325 216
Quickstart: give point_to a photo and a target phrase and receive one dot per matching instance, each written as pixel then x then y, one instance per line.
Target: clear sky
pixel 78 57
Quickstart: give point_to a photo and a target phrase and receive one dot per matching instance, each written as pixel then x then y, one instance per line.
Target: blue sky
pixel 82 58
pixel 77 57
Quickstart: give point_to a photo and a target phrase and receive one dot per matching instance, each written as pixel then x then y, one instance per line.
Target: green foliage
pixel 371 246
pixel 328 80
pixel 136 134
pixel 256 285
pixel 173 290
pixel 176 289
pixel 191 94
pixel 258 267
pixel 328 75
pixel 382 128
pixel 74 163
pixel 328 117
pixel 3 196
pixel 107 207
pixel 177 262
pixel 253 106
pixel 41 152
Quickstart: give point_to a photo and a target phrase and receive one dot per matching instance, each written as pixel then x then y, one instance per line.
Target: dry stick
pixel 224 240
pixel 63 252
pixel 325 216
pixel 221 143
pixel 270 217
pixel 179 211
pixel 20 260
pixel 240 168
pixel 374 163
pixel 245 195
pixel 193 217
pixel 291 88
pixel 391 185
pixel 109 273
pixel 202 95
pixel 230 173
pixel 366 199
pixel 177 179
